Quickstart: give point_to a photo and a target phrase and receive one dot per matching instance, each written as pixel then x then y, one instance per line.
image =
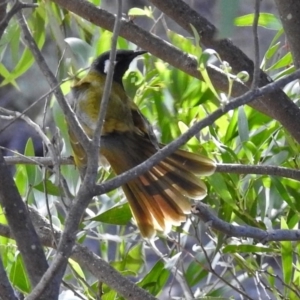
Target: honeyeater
pixel 158 198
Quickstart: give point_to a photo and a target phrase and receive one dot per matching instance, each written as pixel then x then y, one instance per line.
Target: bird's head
pixel 122 62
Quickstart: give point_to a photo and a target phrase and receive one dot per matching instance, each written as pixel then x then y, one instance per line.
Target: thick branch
pixel 87 259
pixel 289 13
pixel 277 105
pixel 263 236
pixel 55 272
pixel 19 221
pixel 209 120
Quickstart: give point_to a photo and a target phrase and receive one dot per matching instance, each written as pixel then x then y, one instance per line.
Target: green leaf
pixel 103 44
pixel 135 11
pixel 76 267
pixel 27 59
pixel 49 187
pixel 202 68
pixel 30 169
pixel 231 130
pixel 282 192
pixel 283 62
pixel 277 159
pixel 156 279
pixel 272 50
pixel 80 49
pixel 243 125
pixel 5 74
pixel 18 275
pixel 247 249
pixel 118 215
pixel 266 20
pixel 284 72
pixel 21 179
pixel 220 186
pixel 132 261
pixel 111 295
pixel 15 43
pixel 195 273
pixel 135 258
pixel 185 44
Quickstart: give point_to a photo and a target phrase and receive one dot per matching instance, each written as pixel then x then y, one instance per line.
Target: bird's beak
pixel 141 52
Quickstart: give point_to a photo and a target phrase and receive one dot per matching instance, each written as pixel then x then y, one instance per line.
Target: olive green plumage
pixel 159 198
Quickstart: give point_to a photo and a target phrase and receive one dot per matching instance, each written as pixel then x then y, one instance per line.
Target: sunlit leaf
pixel 118 215
pixel 155 280
pixel 266 20
pixel 18 276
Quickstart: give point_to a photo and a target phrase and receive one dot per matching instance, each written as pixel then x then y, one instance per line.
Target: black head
pixel 122 62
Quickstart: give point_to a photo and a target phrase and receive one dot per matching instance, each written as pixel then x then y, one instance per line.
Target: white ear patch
pixel 106 66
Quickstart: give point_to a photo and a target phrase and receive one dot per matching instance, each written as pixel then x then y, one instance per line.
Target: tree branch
pixel 69 114
pixel 256 71
pixel 207 216
pixel 259 170
pixel 170 148
pixel 35 160
pixel 93 156
pixel 289 13
pixel 221 168
pixel 277 104
pixel 56 270
pixel 87 259
pixel 6 17
pixel 19 221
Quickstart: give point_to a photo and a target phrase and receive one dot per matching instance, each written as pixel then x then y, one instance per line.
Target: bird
pixel 159 198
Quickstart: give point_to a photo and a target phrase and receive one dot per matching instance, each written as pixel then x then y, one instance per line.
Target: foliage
pixel 172 101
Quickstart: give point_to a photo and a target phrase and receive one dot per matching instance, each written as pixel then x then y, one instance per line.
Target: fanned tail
pixel 158 198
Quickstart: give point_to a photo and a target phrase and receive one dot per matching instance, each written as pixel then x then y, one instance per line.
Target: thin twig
pixel 276 105
pixel 221 167
pixel 18 5
pixel 98 267
pixel 84 195
pixel 170 148
pixel 71 117
pixel 212 270
pixel 39 132
pixel 33 104
pixel 93 157
pixel 207 216
pixel 259 170
pixel 256 71
pixel 177 273
pixel 39 289
pixel 34 160
pixel 52 277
